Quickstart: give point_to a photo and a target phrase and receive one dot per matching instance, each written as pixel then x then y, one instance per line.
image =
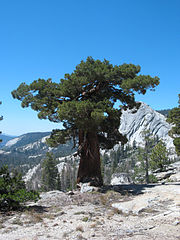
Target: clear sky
pixel 48 38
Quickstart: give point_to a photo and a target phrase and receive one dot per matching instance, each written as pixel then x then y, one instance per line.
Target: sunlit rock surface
pixel 133 124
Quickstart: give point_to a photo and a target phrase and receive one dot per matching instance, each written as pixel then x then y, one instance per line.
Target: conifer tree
pixel 13 191
pixel 59 182
pixel 174 118
pixel 144 153
pixel 84 101
pixel 159 156
pixel 49 173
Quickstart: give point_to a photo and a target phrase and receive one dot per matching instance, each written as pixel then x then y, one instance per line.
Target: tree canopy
pixel 174 118
pixel 159 156
pixel 84 101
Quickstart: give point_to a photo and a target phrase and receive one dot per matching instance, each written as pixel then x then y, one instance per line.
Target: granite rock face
pixel 172 173
pixel 120 178
pixel 153 200
pixel 132 125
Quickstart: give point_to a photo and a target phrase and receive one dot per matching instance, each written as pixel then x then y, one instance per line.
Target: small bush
pixel 152 179
pixel 85 219
pixel 13 190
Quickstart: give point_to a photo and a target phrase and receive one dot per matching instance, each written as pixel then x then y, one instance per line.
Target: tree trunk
pixel 90 165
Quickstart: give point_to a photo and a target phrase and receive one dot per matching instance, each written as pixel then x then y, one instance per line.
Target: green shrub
pixel 13 190
pixel 152 179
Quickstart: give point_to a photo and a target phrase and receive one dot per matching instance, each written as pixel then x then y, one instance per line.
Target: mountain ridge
pixel 30 148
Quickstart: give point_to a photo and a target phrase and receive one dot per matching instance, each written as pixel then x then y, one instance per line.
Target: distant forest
pixel 164 112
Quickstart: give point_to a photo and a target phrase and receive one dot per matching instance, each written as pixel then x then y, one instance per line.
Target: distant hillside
pixel 25 139
pixel 5 139
pixel 164 112
pixel 29 149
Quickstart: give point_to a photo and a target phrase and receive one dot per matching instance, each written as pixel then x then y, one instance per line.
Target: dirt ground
pixel 120 212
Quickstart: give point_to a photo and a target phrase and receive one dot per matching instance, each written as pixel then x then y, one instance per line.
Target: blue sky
pixel 48 38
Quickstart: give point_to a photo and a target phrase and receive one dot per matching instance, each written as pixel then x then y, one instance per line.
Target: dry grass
pixel 85 219
pixel 79 213
pixel 80 228
pixel 1 226
pixel 93 225
pixel 17 221
pixel 80 237
pixel 34 217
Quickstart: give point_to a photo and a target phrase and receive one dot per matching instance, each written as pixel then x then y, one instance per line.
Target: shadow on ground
pixel 130 189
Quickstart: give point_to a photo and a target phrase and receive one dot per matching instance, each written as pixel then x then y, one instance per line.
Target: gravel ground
pixel 139 212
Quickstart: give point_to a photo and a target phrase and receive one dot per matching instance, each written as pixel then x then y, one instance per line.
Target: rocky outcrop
pixel 154 213
pixel 133 124
pixel 153 200
pixel 172 173
pixel 120 178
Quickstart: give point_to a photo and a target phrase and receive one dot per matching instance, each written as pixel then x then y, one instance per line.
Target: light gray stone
pixel 164 175
pixel 85 187
pixel 120 178
pixel 132 124
pixel 175 177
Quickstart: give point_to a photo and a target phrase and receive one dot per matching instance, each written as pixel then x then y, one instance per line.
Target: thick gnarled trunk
pixel 90 165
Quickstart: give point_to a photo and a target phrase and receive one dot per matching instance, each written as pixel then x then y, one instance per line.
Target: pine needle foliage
pixel 49 173
pixel 86 103
pixel 174 118
pixel 85 99
pixel 159 156
pixel 13 191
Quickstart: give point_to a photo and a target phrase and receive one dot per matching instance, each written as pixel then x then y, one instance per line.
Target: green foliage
pixel 50 179
pixel 18 154
pixel 136 161
pixel 159 156
pixel 84 102
pixel 177 145
pixel 152 178
pixel 145 152
pixel 174 118
pixel 13 191
pixel 85 99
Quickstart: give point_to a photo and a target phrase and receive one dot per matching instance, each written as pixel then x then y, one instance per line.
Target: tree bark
pixel 90 164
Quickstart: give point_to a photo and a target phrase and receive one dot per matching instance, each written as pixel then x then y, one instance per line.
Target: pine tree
pixel 49 173
pixel 144 155
pixel 59 182
pixel 13 191
pixel 84 101
pixel 174 117
pixel 159 156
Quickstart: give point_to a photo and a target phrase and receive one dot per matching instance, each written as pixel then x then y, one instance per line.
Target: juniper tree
pixel 84 101
pixel 174 118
